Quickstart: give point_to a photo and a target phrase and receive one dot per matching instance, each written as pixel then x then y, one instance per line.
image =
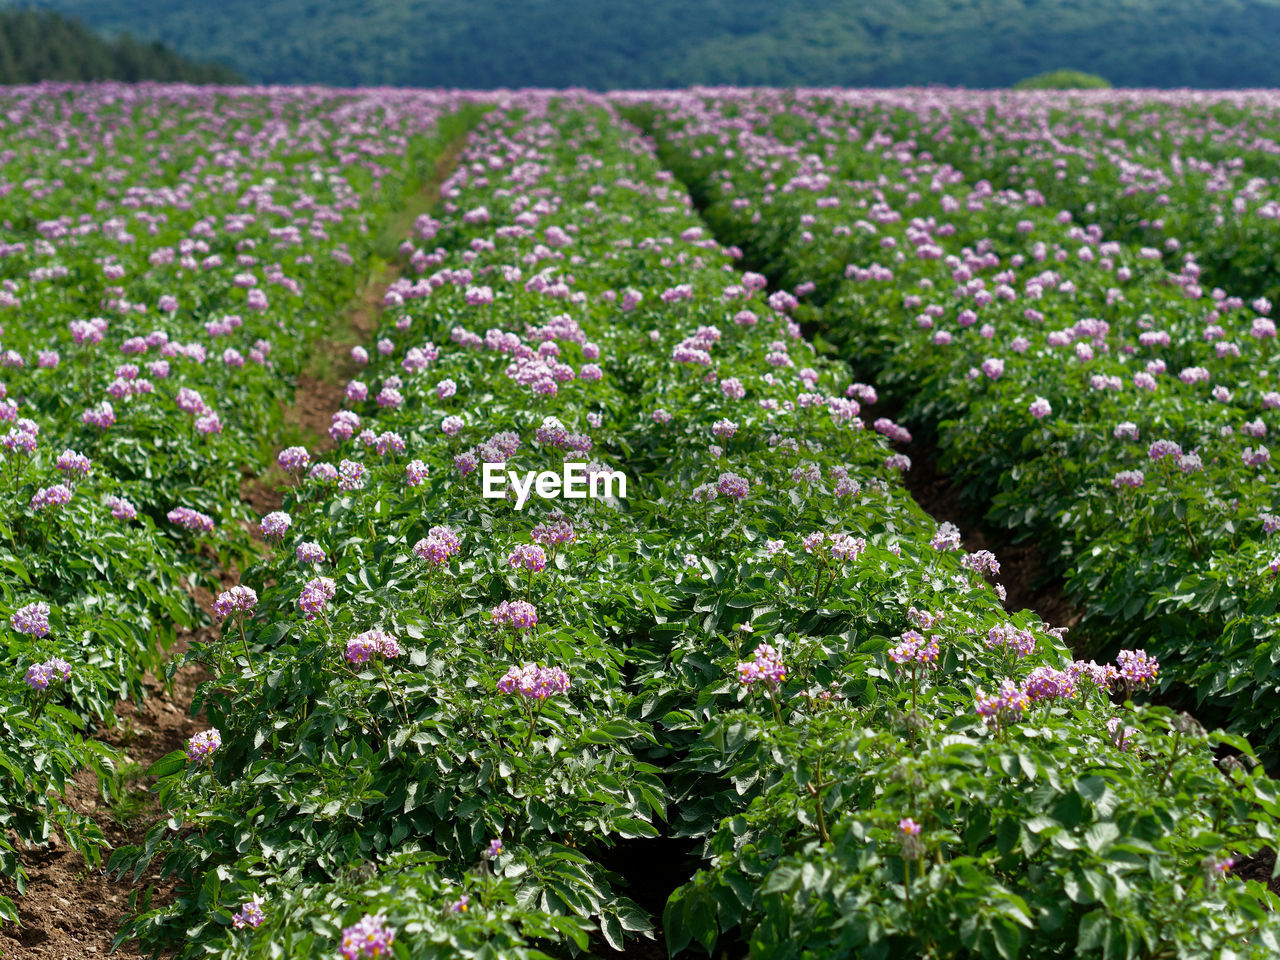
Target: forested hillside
pixel 657 43
pixel 43 45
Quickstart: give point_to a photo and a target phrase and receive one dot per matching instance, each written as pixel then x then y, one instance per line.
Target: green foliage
pixel 649 44
pixel 40 45
pixel 1063 80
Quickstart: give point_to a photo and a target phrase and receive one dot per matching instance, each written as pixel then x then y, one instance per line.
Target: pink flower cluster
pixel 275 525
pixel 534 681
pixel 33 619
pixel 530 556
pixel 40 675
pixel 364 646
pixel 190 519
pixel 317 592
pixel 369 937
pixel 438 545
pixel 516 614
pixel 250 913
pixel 203 744
pixel 767 668
pixel 237 600
pixel 913 648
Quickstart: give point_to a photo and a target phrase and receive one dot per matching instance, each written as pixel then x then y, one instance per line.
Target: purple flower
pixel 846 547
pixel 415 473
pixel 73 463
pixel 100 416
pixel 1006 635
pixel 495 848
pixel 733 486
pixel 315 595
pixel 294 459
pixel 343 425
pixel 275 525
pixel 1040 408
pixel 432 549
pixel 1255 458
pixel 370 937
pixel 516 614
pixel 190 519
pixel 1136 667
pixel 1046 683
pixel 530 556
pixel 947 537
pixel 310 552
pixel 913 648
pixel 40 675
pixel 554 531
pixel 1128 478
pixel 899 461
pixel 121 509
pixel 350 475
pixel 189 401
pixel 250 913
pixel 767 667
pixel 534 681
pixel 1125 431
pixel 909 827
pixel 324 473
pixel 33 619
pixel 981 561
pixel 203 744
pixel 238 599
pixel 362 647
pixel 1010 702
pixel 58 495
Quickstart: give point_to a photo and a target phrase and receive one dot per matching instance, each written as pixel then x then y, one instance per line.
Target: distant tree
pixel 40 45
pixel 1063 80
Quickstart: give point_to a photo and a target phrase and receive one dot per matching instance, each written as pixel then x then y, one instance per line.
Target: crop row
pixel 435 712
pixel 1088 396
pixel 168 256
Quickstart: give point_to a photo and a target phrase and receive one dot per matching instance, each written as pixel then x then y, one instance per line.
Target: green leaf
pixel 169 764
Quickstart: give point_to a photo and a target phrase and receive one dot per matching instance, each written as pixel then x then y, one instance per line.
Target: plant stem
pixel 817 795
pixel 386 682
pixel 244 642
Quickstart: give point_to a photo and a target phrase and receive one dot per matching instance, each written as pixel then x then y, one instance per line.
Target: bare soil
pixel 71 910
pixel 1026 577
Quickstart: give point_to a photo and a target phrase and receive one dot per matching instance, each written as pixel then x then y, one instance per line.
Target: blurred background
pixel 609 44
